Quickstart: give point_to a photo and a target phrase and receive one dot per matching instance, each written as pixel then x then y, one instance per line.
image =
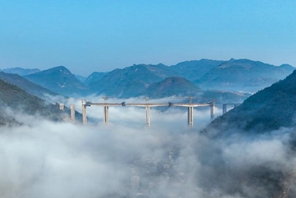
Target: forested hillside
pixel 20 101
pixel 267 110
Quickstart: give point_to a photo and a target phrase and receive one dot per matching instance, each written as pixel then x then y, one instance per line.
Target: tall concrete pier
pixel 106 114
pixel 224 107
pixel 61 106
pixel 83 111
pixel 72 112
pixel 148 116
pixel 212 105
pixel 190 117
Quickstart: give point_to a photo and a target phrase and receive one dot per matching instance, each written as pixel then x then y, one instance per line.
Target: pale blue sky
pixel 101 35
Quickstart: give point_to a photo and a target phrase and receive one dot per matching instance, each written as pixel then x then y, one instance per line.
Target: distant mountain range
pixel 20 71
pixel 243 75
pixel 195 69
pixel 208 75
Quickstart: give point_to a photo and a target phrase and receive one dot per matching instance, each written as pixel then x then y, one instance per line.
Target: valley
pixel 132 148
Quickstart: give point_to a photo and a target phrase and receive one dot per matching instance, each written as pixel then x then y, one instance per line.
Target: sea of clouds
pixel 49 159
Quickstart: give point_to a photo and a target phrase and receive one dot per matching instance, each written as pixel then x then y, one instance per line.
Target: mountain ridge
pixel 234 75
pixel 26 85
pixel 20 71
pixel 130 81
pixel 60 80
pixel 243 75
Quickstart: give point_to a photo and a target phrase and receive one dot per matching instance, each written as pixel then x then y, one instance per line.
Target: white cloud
pixel 48 159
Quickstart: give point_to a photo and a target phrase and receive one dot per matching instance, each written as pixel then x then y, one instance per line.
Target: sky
pixel 101 35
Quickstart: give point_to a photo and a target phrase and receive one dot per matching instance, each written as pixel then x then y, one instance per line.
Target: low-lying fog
pixel 126 159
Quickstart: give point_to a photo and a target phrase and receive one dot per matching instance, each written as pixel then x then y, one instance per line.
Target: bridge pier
pixel 148 116
pixel 212 110
pixel 106 114
pixel 190 116
pixel 84 120
pixel 60 106
pixel 72 112
pixel 224 108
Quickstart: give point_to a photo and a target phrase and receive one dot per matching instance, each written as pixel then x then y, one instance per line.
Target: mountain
pixel 80 78
pixel 26 85
pixel 95 76
pixel 270 109
pixel 131 81
pixel 195 69
pixel 171 86
pixel 20 71
pixel 243 75
pixel 20 101
pixel 227 76
pixel 60 80
pixel 267 117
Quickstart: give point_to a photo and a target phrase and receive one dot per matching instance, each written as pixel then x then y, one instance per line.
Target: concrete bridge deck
pixel 147 105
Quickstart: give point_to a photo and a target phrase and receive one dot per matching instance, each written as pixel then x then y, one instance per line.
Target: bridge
pixel 147 105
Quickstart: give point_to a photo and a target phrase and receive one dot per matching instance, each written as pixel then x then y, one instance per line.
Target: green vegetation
pixel 15 98
pixel 267 110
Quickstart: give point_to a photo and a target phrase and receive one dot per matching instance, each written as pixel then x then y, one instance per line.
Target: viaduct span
pixel 147 105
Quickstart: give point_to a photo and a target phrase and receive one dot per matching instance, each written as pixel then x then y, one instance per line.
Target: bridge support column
pixel 148 116
pixel 224 108
pixel 61 106
pixel 84 120
pixel 212 110
pixel 106 114
pixel 190 117
pixel 72 112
